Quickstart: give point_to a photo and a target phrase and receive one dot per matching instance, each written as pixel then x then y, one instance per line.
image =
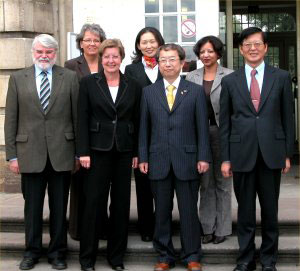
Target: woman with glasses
pixel 215 191
pixel 88 42
pixel 144 70
pixel 108 118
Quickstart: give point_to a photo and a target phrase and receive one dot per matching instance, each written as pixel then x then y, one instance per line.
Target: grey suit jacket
pixel 31 135
pixel 196 76
pixel 178 137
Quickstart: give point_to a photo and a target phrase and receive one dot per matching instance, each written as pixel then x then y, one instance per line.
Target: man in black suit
pixel 256 129
pixel 173 151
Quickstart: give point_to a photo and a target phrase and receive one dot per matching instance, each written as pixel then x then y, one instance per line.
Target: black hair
pixel 216 43
pixel 250 31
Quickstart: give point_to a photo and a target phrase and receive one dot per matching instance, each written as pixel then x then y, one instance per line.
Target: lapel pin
pixel 184 91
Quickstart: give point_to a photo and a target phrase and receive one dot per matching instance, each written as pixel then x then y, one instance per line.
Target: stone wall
pixel 20 22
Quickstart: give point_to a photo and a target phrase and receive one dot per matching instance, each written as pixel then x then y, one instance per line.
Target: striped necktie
pixel 45 91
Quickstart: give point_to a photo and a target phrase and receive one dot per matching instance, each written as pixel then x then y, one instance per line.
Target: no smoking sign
pixel 188 28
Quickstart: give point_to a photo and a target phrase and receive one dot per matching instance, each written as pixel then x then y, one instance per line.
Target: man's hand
pixel 226 169
pixel 134 162
pixel 202 166
pixel 85 161
pixel 143 167
pixel 287 166
pixel 14 166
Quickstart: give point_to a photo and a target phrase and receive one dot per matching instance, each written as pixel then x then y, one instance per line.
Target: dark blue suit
pixel 172 142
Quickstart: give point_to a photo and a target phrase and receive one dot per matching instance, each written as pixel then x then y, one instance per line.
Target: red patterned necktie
pixel 150 61
pixel 254 90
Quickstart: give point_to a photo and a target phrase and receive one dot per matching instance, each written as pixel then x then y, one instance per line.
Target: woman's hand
pixel 134 162
pixel 85 161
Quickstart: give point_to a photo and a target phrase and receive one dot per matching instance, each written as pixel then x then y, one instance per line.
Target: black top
pixel 210 111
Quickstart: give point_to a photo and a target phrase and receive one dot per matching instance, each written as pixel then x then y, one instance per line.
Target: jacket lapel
pixel 83 66
pixel 57 79
pixel 242 88
pixel 160 92
pixel 122 89
pixel 103 88
pixel 268 82
pixel 182 91
pixel 31 86
pixel 218 79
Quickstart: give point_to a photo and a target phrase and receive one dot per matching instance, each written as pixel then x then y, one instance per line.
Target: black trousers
pixel 265 183
pixel 145 206
pixel 111 168
pixel 33 188
pixel 187 198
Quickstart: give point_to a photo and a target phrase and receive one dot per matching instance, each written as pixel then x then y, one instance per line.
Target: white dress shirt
pixel 151 73
pixel 114 92
pixel 259 75
pixel 39 76
pixel 175 84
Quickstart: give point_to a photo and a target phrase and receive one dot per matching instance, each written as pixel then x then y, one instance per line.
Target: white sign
pixel 188 28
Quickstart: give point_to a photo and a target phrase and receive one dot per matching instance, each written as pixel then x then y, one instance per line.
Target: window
pixel 176 20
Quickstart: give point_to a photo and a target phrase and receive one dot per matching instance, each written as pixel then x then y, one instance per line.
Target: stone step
pixel 12 244
pixel 11 264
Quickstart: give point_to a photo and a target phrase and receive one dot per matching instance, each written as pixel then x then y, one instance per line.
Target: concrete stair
pixel 141 255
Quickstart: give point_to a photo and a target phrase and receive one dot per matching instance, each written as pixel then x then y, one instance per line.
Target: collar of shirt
pixel 259 75
pixel 38 77
pixel 175 84
pixel 151 73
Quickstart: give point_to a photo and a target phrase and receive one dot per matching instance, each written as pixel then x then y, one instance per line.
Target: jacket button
pixel 257 117
pixel 113 121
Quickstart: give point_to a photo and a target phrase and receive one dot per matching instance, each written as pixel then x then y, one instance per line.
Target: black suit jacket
pixel 244 131
pixel 80 66
pixel 178 137
pixel 137 71
pixel 101 122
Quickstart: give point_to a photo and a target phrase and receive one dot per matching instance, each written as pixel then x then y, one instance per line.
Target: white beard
pixel 44 65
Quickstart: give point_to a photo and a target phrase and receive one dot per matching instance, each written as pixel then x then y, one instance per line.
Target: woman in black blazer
pixel 88 42
pixel 144 70
pixel 108 118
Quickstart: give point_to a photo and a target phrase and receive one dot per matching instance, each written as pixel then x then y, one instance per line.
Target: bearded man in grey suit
pixel 173 151
pixel 40 124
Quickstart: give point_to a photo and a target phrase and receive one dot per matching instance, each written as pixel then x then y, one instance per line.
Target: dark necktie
pixel 254 90
pixel 44 91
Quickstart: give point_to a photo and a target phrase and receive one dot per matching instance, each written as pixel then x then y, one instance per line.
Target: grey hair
pixel 94 28
pixel 46 40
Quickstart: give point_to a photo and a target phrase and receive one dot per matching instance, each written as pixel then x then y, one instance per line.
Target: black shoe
pixel 87 268
pixel 119 267
pixel 269 268
pixel 146 238
pixel 208 238
pixel 58 264
pixel 219 239
pixel 27 263
pixel 245 267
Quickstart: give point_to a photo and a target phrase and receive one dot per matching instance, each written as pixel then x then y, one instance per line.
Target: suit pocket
pixel 235 138
pixel 70 136
pixel 21 138
pixel 280 135
pixel 94 127
pixel 190 148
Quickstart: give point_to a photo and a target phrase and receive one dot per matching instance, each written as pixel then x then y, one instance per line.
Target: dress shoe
pixel 245 267
pixel 163 266
pixel 219 239
pixel 119 267
pixel 87 268
pixel 207 238
pixel 194 266
pixel 27 263
pixel 58 264
pixel 146 238
pixel 269 268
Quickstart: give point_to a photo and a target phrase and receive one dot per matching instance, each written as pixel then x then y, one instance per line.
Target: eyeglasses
pixel 248 45
pixel 88 41
pixel 171 60
pixel 114 57
pixel 46 52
